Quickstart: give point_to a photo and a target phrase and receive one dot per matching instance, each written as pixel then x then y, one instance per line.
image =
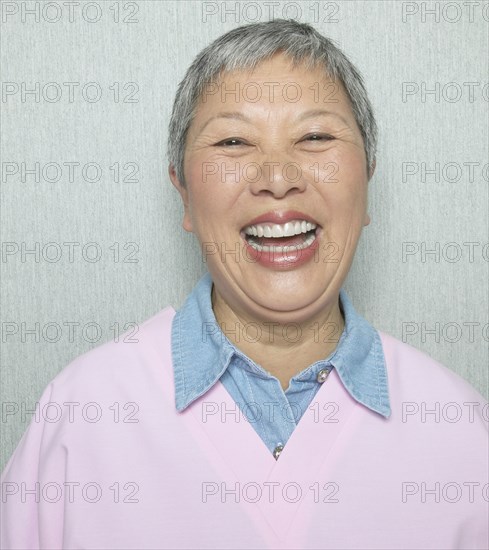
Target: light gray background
pixel 389 46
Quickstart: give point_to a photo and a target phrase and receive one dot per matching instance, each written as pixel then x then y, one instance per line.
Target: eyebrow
pixel 230 114
pixel 312 113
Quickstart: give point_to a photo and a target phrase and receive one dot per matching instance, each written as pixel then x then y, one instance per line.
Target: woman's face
pixel 278 145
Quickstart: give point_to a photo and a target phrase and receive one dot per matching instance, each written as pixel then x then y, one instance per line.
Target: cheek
pixel 342 181
pixel 199 184
pixel 215 185
pixel 350 163
pixel 208 201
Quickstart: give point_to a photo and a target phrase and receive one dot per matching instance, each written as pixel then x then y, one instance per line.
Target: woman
pixel 265 413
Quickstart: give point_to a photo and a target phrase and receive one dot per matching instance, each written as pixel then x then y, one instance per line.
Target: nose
pixel 277 175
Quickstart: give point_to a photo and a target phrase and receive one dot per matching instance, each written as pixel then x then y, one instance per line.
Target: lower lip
pixel 289 259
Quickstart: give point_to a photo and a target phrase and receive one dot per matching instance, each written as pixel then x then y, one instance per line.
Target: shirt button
pixel 322 375
pixel 276 452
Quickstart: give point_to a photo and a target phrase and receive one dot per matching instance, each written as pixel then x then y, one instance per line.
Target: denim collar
pixel 201 352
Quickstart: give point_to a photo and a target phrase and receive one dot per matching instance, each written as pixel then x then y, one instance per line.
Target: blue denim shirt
pixel 202 354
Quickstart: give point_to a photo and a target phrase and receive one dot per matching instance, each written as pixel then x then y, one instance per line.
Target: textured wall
pixel 119 196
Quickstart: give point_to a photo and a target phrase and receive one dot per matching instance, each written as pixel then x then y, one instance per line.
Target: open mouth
pixel 267 237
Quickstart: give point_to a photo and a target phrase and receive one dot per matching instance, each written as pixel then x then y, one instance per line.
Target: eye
pixel 318 137
pixel 230 142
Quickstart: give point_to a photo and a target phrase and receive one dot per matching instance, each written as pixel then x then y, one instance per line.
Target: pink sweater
pixel 110 463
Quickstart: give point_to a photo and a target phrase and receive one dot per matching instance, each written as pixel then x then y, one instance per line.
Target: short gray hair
pixel 244 48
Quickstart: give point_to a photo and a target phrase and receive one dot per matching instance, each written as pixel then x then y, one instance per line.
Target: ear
pixel 187 222
pixel 366 220
pixel 372 169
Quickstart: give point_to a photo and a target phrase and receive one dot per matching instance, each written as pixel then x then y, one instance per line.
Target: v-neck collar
pixel 241 457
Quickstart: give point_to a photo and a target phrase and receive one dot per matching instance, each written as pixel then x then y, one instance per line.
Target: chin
pixel 298 307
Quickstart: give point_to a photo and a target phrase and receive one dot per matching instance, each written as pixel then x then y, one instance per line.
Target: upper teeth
pixel 289 229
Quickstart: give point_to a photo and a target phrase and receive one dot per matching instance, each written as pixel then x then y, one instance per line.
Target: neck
pixel 282 349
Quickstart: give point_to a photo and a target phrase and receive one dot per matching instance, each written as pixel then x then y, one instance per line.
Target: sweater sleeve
pixel 32 486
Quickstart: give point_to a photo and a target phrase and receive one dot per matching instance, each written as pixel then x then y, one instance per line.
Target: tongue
pixel 296 240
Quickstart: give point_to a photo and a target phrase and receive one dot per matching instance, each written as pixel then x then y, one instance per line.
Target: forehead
pixel 275 81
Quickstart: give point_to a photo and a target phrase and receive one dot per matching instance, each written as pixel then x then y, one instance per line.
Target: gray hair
pixel 244 48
